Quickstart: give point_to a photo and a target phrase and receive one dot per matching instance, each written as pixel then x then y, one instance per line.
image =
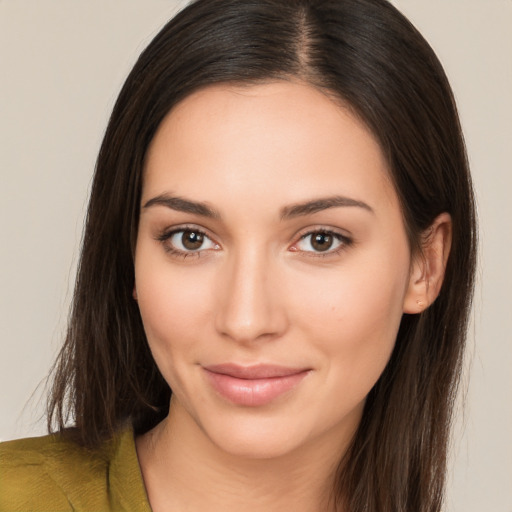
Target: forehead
pixel 281 137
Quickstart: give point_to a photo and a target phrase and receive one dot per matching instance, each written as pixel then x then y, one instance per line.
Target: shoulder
pixel 55 473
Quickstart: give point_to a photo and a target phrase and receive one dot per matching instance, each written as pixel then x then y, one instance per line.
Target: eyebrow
pixel 318 205
pixel 288 212
pixel 183 205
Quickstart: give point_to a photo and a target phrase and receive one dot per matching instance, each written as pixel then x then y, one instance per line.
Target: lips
pixel 253 386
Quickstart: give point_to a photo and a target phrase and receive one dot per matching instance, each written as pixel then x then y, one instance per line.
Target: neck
pixel 184 470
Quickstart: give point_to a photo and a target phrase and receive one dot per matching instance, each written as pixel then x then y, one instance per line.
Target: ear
pixel 134 293
pixel 429 265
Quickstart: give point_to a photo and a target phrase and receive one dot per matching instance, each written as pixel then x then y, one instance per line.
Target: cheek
pixel 174 305
pixel 353 319
pixel 173 313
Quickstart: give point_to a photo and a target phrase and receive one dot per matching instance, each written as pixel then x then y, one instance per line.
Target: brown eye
pixel 187 241
pixel 192 240
pixel 321 241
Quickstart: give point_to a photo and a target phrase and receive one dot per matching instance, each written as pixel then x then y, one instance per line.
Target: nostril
pixel 248 314
pixel 249 302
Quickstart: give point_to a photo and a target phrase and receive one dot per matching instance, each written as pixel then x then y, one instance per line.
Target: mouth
pixel 253 386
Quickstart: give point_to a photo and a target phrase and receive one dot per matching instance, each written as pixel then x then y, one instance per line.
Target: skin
pixel 258 291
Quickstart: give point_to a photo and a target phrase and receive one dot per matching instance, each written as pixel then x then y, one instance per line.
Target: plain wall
pixel 62 64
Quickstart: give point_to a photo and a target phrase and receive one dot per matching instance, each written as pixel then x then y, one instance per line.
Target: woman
pixel 281 230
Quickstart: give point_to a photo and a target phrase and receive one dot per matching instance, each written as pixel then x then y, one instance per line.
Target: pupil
pixel 322 242
pixel 192 240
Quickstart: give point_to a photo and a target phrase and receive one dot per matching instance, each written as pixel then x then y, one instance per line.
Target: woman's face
pixel 272 266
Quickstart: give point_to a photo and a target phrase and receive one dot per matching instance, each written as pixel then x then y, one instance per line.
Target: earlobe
pixel 134 293
pixel 429 266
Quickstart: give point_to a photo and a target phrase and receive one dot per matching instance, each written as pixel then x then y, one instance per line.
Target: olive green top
pixel 51 474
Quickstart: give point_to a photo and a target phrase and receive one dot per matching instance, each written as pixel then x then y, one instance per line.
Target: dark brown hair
pixel 368 55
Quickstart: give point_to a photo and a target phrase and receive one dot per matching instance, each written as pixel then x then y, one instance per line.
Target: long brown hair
pixel 367 54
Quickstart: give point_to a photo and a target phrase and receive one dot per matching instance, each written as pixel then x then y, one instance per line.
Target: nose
pixel 250 306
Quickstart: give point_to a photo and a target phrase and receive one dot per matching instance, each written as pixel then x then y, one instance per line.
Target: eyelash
pixel 166 235
pixel 345 242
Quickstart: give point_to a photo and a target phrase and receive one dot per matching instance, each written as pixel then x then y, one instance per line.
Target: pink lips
pixel 253 386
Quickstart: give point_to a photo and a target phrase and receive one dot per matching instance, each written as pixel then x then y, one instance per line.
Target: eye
pixel 187 241
pixel 322 242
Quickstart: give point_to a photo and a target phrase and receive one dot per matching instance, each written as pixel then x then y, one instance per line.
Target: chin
pixel 257 441
pixel 257 435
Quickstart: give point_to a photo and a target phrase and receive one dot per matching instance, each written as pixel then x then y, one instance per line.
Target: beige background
pixel 61 66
